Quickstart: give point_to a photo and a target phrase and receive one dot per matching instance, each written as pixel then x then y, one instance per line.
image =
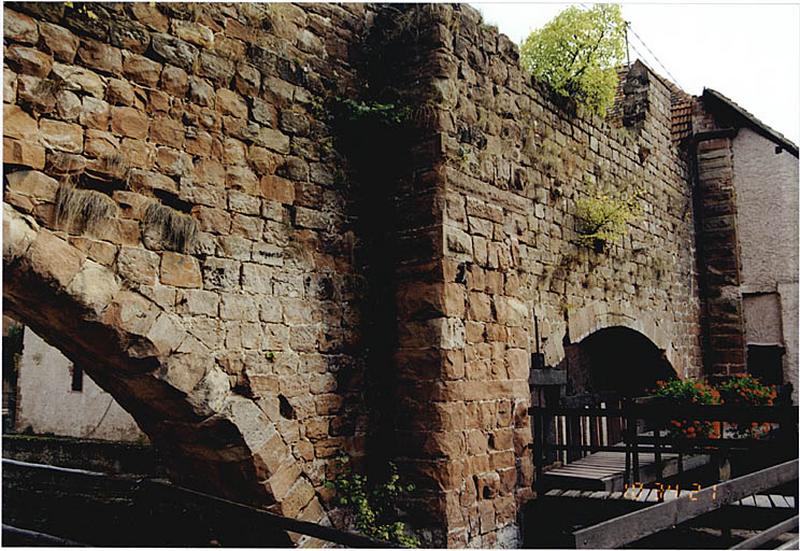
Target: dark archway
pixel 615 359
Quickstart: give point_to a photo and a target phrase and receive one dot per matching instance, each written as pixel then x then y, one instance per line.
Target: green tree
pixel 577 53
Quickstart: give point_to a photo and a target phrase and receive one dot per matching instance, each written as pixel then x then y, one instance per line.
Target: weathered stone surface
pixel 174 81
pixel 80 80
pixel 28 61
pixel 61 136
pixel 100 57
pixel 141 69
pixel 180 270
pixel 94 286
pixel 19 124
pixel 216 132
pixel 129 122
pixel 18 27
pixel 25 153
pixel 59 41
pixel 138 265
pixel 53 259
pixel 95 113
pixel 196 33
pixel 32 183
pixel 174 50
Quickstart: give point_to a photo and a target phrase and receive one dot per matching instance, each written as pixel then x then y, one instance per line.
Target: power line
pixel 675 80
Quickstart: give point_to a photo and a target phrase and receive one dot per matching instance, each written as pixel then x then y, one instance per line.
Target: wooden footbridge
pixel 611 475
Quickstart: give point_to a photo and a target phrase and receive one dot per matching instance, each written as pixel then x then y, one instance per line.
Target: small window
pixel 765 362
pixel 77 378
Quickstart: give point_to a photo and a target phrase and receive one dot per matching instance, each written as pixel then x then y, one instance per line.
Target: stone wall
pixel 512 164
pixel 403 259
pixel 213 286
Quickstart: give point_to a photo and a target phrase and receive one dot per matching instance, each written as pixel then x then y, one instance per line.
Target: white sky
pixel 748 52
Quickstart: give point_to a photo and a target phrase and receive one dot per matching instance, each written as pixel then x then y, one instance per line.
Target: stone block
pixel 194 33
pixel 19 124
pixel 231 103
pixel 53 259
pixel 61 136
pixel 93 286
pixel 272 139
pixel 180 270
pixel 175 51
pixel 28 61
pixel 174 81
pixel 141 69
pixel 33 184
pixel 298 497
pixel 18 27
pixel 95 113
pixel 167 131
pixel 24 153
pixel 277 189
pixel 78 79
pixel 237 307
pixel 58 41
pixel 282 481
pixel 100 57
pixel 217 69
pixel 129 122
pixel 138 265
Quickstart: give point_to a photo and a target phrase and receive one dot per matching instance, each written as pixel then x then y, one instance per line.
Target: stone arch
pixel 208 437
pixel 659 329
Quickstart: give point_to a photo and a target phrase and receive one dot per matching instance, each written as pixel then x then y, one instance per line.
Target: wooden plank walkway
pixel 651 495
pixel 605 471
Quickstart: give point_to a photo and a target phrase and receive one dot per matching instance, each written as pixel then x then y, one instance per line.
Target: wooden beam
pixel 619 531
pixel 768 535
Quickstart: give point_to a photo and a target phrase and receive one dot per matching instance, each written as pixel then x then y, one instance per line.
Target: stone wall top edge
pixel 505 48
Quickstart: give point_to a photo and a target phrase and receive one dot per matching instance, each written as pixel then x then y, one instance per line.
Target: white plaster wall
pixel 766 186
pixel 47 403
pixel 762 319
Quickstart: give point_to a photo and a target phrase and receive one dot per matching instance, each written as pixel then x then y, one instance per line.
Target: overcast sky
pixel 748 52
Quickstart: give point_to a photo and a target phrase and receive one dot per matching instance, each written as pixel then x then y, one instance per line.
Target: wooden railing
pixel 634 526
pixel 42 502
pixel 634 419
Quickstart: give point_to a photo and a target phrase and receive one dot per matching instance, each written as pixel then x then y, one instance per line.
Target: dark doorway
pixel 616 359
pixel 765 362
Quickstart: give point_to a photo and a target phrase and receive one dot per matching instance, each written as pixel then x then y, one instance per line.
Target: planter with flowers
pixel 690 392
pixel 746 390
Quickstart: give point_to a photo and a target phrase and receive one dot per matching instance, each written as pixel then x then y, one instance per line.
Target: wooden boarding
pixel 628 528
pixel 768 535
pixel 605 471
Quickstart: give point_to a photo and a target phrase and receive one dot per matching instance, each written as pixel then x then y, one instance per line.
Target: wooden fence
pixel 643 427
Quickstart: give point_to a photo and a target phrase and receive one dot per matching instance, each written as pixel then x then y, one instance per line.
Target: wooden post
pixel 538 444
pixel 657 451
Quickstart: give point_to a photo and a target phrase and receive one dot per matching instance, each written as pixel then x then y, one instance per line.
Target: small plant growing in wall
pixel 577 53
pixel 603 219
pixel 372 506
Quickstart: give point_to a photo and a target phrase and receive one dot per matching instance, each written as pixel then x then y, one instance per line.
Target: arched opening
pixel 617 360
pixel 605 367
pixel 140 353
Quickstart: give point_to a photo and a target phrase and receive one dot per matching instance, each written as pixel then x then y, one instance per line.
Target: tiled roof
pixel 681 118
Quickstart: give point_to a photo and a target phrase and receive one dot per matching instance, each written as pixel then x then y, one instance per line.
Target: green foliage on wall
pixel 577 53
pixel 602 220
pixel 373 506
